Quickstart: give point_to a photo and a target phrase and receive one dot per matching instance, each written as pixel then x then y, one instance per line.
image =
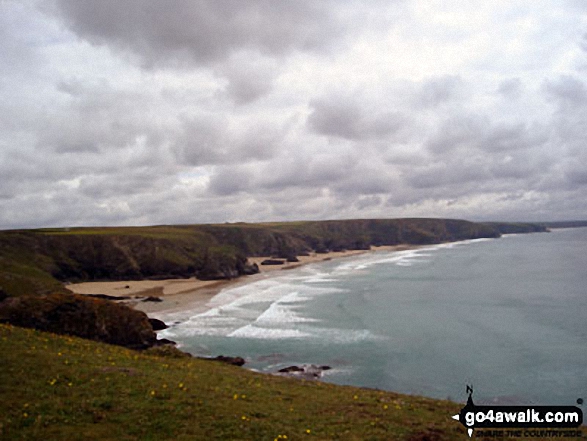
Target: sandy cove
pixel 194 294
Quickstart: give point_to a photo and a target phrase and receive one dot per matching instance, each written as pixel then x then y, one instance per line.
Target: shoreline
pixel 192 294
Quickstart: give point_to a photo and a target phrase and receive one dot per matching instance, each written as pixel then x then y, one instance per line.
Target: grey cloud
pixel 286 171
pixel 368 202
pixel 94 117
pixel 568 95
pixel 214 139
pixel 508 137
pixel 202 140
pixel 441 175
pixel 18 57
pixel 437 91
pixel 474 132
pixel 202 31
pixel 577 176
pixel 511 88
pixel 260 142
pixel 456 132
pixel 345 117
pixel 249 76
pixel 248 86
pixel 568 91
pixel 368 179
pixel 136 181
pixel 72 86
pixel 139 111
pixel 306 171
pixel 230 180
pixel 516 167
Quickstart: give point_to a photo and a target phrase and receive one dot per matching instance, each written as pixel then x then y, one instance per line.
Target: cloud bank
pixel 141 112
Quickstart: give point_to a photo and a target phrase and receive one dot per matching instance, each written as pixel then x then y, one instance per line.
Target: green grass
pixel 158 232
pixel 22 278
pixel 64 388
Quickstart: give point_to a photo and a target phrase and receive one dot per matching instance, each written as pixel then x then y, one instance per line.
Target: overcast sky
pixel 141 112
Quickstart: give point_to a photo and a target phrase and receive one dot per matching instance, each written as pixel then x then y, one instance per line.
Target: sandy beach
pixel 194 294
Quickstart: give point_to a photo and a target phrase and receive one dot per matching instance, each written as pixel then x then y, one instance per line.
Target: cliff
pixel 39 261
pixel 93 319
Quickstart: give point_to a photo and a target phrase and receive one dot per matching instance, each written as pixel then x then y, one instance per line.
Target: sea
pixel 507 316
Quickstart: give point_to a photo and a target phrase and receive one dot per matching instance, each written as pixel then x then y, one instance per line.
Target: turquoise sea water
pixel 507 315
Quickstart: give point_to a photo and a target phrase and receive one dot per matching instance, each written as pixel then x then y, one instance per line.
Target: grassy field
pixel 64 388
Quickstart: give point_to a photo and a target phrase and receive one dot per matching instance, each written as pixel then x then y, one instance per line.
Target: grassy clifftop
pixel 65 388
pixel 36 261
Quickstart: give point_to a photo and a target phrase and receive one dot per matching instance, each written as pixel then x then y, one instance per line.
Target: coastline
pixel 193 294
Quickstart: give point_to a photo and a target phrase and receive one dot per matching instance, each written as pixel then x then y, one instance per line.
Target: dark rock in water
pixel 85 317
pixel 293 259
pixel 291 369
pixel 107 297
pixel 305 371
pixel 157 324
pixel 165 341
pixel 236 361
pixel 273 262
pixel 152 299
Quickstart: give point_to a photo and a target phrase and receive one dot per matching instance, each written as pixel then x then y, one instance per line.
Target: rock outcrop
pixel 305 371
pixel 273 262
pixel 90 318
pixel 157 325
pixel 235 361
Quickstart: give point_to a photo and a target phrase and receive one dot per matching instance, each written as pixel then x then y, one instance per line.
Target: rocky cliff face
pixel 35 261
pixel 94 319
pixel 518 227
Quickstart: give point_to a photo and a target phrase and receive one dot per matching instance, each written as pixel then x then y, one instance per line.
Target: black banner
pixel 518 417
